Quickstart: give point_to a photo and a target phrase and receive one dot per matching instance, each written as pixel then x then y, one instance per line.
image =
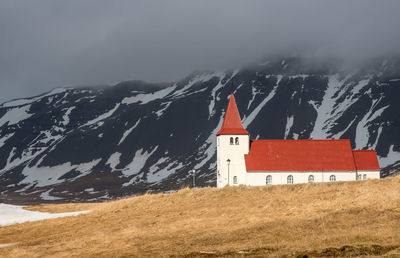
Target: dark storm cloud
pixel 50 43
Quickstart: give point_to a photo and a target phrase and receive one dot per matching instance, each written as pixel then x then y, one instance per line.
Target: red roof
pixel 232 123
pixel 300 155
pixel 366 160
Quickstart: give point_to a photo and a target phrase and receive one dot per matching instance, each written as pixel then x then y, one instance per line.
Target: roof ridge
pixel 300 139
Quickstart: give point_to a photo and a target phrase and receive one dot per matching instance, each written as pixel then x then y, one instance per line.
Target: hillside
pixel 341 218
pixel 93 144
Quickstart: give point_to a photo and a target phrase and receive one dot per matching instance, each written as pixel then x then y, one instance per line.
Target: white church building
pixel 241 161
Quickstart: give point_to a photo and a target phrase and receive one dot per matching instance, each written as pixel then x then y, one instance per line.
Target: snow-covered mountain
pixel 96 143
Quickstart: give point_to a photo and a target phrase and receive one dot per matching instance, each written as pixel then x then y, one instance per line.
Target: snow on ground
pixel 15 115
pixel 5 245
pixel 102 117
pixel 146 98
pixel 127 132
pixel 138 162
pixel 11 214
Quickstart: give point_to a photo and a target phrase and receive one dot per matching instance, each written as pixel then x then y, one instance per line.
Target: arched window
pixel 364 176
pixel 290 179
pixel 231 141
pixel 332 178
pixel 235 179
pixel 310 178
pixel 237 141
pixel 358 177
pixel 268 180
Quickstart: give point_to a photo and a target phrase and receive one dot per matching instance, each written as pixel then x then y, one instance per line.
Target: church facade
pixel 241 161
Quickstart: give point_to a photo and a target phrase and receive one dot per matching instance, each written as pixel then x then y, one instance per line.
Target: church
pixel 241 161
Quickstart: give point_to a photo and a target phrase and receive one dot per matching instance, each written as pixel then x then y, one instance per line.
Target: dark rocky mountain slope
pixel 97 143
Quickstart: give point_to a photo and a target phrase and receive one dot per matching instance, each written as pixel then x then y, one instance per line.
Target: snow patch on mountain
pixel 101 117
pixel 47 197
pixel 247 120
pixel 15 115
pixel 127 132
pixel 161 174
pixel 113 160
pixel 66 115
pixel 148 97
pixel 45 176
pixel 138 162
pixel 20 102
pixel 5 138
pixel 289 124
pixel 391 158
pixel 325 108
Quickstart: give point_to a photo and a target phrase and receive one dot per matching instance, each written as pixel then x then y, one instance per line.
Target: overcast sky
pixel 52 43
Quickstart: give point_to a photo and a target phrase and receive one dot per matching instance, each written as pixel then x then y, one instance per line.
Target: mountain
pixel 89 144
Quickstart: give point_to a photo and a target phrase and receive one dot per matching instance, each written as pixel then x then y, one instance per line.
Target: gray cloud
pixel 50 43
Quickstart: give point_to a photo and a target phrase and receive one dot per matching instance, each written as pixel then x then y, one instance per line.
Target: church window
pixel 237 141
pixel 231 141
pixel 332 178
pixel 235 179
pixel 364 176
pixel 310 178
pixel 290 179
pixel 269 180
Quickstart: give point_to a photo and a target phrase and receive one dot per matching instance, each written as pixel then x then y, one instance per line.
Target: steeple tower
pixel 232 123
pixel 232 144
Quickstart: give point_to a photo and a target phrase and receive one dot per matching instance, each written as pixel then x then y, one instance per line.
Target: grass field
pixel 359 218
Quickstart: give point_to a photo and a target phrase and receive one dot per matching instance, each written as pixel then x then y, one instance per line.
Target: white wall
pixel 370 174
pixel 235 153
pixel 259 178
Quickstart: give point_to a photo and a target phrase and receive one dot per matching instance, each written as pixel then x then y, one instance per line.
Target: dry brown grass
pixel 343 218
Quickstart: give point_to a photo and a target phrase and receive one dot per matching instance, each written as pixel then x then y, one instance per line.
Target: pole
pixel 228 161
pixel 194 178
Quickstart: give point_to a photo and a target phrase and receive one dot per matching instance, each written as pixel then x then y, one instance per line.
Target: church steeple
pixel 232 123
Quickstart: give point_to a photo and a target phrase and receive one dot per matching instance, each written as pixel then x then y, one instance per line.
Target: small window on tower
pixel 237 140
pixel 231 141
pixel 235 179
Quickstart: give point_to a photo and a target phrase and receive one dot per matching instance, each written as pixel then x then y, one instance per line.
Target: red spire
pixel 232 123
